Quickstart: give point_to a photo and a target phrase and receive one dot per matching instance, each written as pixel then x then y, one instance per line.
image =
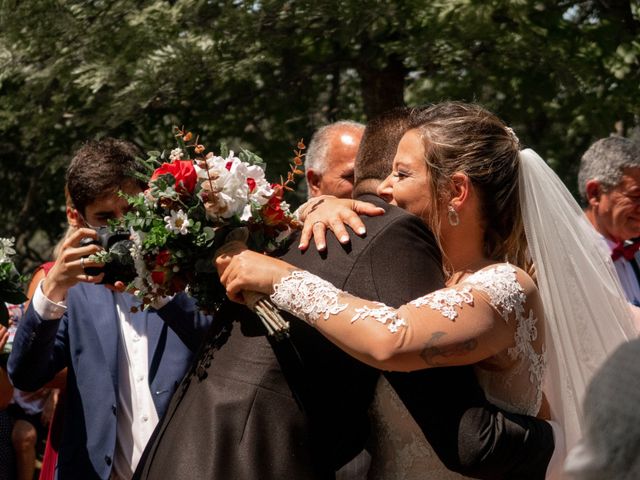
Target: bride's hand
pixel 242 269
pixel 333 213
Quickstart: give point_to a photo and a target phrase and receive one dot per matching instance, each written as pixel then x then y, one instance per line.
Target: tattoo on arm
pixel 431 351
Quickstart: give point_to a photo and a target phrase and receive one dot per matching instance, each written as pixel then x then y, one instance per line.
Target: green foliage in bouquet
pixel 11 282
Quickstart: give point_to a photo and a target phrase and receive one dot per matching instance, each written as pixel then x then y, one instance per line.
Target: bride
pixel 534 331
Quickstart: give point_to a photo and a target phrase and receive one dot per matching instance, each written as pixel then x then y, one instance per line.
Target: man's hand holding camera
pixel 70 266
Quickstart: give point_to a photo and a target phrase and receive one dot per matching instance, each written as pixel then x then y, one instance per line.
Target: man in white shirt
pixel 123 367
pixel 609 183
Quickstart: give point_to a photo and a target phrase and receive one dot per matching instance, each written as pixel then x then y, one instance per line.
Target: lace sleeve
pixel 310 298
pixel 458 328
pixel 307 297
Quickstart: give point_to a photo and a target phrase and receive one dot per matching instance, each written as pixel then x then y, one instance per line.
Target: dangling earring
pixel 452 215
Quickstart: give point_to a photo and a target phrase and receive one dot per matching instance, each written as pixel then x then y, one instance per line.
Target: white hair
pixel 606 160
pixel 316 157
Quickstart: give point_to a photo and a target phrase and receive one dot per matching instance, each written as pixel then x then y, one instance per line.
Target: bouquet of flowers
pixel 195 200
pixel 11 282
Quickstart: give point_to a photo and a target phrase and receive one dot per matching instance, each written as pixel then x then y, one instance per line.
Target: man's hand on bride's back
pixel 328 212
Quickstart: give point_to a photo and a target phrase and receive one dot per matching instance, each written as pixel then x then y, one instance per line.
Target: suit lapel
pixel 154 329
pixel 107 325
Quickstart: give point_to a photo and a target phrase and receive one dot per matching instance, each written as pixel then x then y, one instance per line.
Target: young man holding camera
pixel 123 367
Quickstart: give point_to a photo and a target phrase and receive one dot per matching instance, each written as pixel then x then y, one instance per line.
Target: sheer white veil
pixel 587 315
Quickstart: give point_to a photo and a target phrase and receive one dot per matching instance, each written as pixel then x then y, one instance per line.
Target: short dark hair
pixel 101 167
pixel 378 146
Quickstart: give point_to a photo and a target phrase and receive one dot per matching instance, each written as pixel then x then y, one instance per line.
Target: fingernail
pixel 344 238
pixel 321 246
pixel 362 230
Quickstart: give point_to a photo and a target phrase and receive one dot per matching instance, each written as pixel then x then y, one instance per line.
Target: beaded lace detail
pixel 446 301
pixel 307 296
pixel 310 298
pixel 501 284
pixel 506 295
pixel 385 315
pixel 506 389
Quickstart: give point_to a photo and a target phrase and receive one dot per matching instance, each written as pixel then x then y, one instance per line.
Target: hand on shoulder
pixel 328 212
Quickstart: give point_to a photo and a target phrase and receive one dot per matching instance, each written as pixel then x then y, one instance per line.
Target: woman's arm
pixel 455 326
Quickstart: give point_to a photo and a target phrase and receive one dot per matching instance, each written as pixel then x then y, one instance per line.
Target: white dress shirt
pixel 136 412
pixel 137 416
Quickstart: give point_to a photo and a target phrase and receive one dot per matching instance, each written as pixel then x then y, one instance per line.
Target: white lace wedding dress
pixel 511 379
pixel 398 449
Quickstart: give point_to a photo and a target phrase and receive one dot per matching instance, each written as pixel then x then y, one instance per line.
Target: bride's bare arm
pixel 454 326
pixel 328 212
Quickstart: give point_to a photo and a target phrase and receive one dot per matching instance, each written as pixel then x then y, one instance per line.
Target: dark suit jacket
pixel 298 409
pixel 86 340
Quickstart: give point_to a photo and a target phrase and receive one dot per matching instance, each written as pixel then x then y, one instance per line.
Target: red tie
pixel 625 249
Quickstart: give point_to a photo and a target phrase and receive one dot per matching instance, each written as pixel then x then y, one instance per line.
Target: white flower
pixel 261 191
pixel 6 249
pixel 178 222
pixel 246 213
pixel 143 276
pixel 237 186
pixel 228 178
pixel 176 154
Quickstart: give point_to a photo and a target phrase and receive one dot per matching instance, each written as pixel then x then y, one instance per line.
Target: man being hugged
pixel 122 367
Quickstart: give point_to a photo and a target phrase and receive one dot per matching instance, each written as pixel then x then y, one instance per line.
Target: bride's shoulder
pixel 506 276
pixel 505 286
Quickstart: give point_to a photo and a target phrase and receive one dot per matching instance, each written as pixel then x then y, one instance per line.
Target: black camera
pixel 119 265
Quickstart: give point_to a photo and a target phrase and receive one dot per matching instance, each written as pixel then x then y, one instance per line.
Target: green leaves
pixel 11 284
pixel 251 158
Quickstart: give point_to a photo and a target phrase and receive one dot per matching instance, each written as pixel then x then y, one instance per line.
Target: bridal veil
pixel 587 315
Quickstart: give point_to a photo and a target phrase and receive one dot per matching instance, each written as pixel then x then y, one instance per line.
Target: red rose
pixel 252 184
pixel 272 211
pixel 163 257
pixel 157 277
pixel 184 173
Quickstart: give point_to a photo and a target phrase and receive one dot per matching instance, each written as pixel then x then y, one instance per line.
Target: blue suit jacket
pixel 86 340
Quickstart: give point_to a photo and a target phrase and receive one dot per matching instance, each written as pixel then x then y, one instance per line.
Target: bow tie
pixel 626 249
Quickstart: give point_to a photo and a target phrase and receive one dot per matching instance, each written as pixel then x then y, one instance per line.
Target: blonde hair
pixel 466 138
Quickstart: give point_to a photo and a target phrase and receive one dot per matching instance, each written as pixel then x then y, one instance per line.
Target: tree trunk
pixel 382 88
